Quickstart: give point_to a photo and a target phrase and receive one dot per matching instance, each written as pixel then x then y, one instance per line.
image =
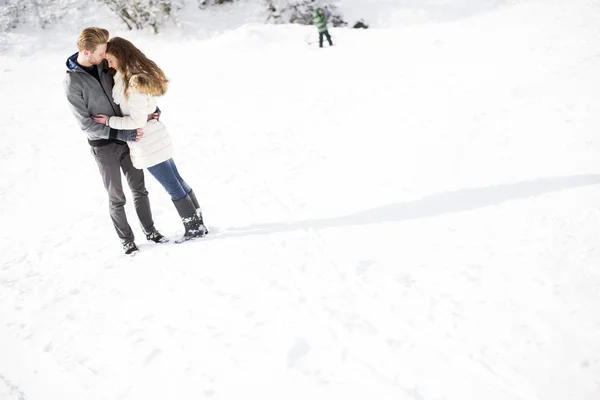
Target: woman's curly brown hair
pixel 136 68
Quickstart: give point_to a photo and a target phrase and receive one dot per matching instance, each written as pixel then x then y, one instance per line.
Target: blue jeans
pixel 167 175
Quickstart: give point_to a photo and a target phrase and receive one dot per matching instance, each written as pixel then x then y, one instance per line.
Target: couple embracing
pixel 112 89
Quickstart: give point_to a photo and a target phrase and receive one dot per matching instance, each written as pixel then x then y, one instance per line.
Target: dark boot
pixel 156 237
pixel 191 222
pixel 130 248
pixel 197 206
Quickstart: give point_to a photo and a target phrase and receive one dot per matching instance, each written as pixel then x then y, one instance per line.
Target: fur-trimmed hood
pixel 145 84
pixel 142 83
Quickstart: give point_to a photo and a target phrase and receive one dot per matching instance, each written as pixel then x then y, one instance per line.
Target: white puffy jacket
pixel 155 145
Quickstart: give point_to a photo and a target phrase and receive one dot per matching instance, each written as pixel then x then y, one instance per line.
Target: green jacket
pixel 319 20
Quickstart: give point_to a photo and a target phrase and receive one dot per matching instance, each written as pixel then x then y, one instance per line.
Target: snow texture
pixel 412 214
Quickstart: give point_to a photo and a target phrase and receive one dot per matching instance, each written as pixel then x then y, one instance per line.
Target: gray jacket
pixel 87 96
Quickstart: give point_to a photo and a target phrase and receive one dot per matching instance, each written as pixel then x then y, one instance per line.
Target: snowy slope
pixel 411 214
pixel 397 13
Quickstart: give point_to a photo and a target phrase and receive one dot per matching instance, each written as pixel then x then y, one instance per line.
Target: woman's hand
pixel 100 119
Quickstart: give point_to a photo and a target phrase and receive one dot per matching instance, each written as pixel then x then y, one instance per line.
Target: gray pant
pixel 111 159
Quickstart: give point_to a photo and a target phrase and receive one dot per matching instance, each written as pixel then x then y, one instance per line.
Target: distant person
pixel 88 85
pixel 138 84
pixel 320 21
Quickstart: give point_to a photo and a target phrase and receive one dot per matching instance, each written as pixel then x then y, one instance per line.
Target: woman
pixel 138 84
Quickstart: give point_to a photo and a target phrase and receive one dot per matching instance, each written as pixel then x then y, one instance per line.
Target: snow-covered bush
pixel 207 3
pixel 38 13
pixel 140 14
pixel 361 24
pixel 136 14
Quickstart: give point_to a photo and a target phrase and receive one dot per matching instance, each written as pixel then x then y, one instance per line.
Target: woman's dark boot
pixel 194 228
pixel 197 206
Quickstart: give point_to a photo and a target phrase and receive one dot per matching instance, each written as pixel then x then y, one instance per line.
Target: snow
pixel 393 13
pixel 410 214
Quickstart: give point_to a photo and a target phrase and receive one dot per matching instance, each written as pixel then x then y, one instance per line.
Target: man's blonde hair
pixel 90 38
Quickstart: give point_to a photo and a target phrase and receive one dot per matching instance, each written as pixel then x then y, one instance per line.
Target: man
pixel 88 86
pixel 320 21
